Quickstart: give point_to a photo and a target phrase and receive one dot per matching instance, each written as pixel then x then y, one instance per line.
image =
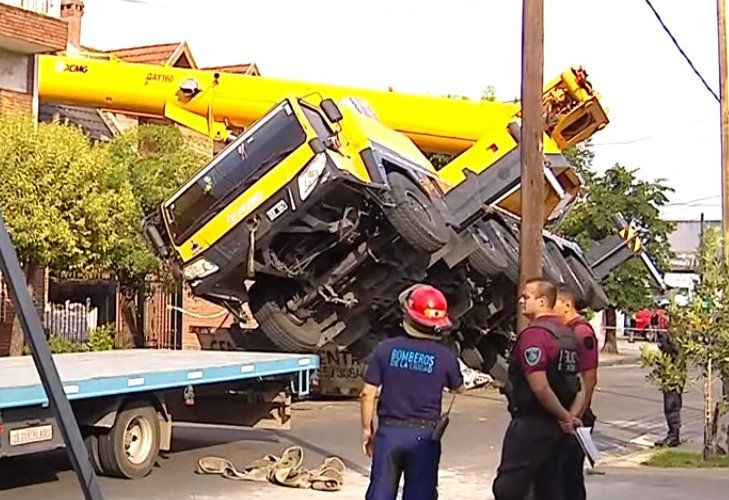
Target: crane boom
pixel 211 102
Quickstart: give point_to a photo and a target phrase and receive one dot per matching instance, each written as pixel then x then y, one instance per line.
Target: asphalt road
pixel 628 408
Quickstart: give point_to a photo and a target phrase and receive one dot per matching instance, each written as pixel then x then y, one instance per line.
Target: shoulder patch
pixel 589 343
pixel 532 356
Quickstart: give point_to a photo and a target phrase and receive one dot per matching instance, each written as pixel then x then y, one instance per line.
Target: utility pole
pixel 724 94
pixel 531 145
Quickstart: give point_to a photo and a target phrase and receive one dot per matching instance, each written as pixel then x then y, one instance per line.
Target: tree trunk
pixel 611 337
pixel 720 443
pixel 17 336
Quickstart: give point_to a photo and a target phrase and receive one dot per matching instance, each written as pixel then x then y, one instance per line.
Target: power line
pixel 675 42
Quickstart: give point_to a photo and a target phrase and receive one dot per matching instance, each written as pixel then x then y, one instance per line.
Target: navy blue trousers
pixel 411 451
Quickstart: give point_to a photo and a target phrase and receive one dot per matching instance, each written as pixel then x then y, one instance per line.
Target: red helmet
pixel 426 306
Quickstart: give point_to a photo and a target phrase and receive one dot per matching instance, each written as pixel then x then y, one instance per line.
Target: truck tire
pixel 414 215
pixel 282 328
pixel 91 440
pixel 130 449
pixel 509 246
pixel 488 259
pixel 595 296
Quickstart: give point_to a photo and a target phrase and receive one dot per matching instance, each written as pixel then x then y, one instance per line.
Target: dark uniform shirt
pixel 536 347
pixel 586 344
pixel 412 373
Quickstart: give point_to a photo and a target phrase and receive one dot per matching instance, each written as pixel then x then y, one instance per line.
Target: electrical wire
pixel 675 42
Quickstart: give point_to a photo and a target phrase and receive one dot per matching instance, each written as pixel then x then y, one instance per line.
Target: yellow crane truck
pixel 327 201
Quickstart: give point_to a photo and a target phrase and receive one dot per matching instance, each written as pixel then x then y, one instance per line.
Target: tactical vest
pixel 561 372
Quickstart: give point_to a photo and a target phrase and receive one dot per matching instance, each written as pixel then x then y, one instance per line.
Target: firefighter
pixel 545 387
pixel 411 371
pixel 574 456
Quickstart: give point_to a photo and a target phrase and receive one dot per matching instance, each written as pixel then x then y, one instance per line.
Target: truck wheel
pixel 91 440
pixel 509 245
pixel 488 259
pixel 414 215
pixel 130 448
pixel 595 296
pixel 285 330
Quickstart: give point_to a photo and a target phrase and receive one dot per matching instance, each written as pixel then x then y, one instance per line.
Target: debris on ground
pixel 284 471
pixel 474 378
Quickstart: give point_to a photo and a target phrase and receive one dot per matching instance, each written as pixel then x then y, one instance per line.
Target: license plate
pixel 31 435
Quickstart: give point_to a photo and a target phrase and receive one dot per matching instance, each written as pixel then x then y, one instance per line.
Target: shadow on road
pixel 45 467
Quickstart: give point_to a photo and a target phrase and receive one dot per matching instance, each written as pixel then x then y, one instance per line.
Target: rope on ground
pixel 284 471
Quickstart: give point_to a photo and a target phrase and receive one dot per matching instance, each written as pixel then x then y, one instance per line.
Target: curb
pixel 631 360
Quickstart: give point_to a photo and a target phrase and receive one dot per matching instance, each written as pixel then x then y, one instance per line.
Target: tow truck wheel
pixel 91 440
pixel 285 330
pixel 414 215
pixel 130 448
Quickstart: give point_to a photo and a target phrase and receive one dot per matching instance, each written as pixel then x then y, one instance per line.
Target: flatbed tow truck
pixel 125 401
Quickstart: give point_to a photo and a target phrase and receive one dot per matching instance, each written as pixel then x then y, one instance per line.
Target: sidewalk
pixel 628 353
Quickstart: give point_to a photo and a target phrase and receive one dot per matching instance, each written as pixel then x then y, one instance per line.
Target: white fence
pixel 73 321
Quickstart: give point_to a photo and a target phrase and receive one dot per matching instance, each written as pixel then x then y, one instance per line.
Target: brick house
pixel 23 34
pixel 176 318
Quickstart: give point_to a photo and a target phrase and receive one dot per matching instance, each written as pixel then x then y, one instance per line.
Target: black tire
pixel 130 449
pixel 550 266
pixel 569 277
pixel 414 216
pixel 282 328
pixel 488 259
pixel 509 246
pixel 472 358
pixel 593 293
pixel 91 440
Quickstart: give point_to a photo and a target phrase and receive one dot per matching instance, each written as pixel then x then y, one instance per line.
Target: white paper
pixel 584 437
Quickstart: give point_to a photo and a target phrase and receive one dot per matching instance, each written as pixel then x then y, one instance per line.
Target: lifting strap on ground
pixel 286 470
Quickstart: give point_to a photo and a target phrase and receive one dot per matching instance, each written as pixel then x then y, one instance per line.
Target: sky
pixel 663 121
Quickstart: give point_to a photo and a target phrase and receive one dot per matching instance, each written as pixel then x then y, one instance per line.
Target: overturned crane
pixel 328 202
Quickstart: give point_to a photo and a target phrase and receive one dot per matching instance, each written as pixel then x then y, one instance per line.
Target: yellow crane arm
pixel 210 102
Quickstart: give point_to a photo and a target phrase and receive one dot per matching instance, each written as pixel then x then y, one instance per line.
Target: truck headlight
pixel 199 269
pixel 309 178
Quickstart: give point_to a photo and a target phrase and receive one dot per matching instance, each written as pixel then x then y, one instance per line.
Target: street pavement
pixel 628 409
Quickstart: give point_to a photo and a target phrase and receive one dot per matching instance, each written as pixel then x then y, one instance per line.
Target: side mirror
pixel 331 110
pixel 317 146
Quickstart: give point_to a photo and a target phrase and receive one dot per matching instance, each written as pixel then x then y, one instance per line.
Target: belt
pixel 417 423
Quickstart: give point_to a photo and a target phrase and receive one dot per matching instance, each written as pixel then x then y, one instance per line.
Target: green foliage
pixel 619 190
pixel 666 373
pixel 157 161
pixel 63 202
pixel 684 459
pixel 102 338
pixel 700 330
pixel 60 345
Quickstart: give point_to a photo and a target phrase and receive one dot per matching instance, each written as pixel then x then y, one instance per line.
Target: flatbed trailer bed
pixel 125 397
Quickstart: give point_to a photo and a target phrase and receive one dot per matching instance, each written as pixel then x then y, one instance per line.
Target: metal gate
pixel 162 321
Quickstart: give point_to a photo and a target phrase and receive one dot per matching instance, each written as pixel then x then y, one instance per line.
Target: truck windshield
pixel 233 170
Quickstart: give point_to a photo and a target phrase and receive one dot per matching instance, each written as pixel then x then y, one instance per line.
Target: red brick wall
pixel 26 25
pixel 7 308
pixel 213 317
pixel 15 102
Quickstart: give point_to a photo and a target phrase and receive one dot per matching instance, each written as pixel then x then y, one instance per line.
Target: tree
pixel 156 160
pixel 64 203
pixel 619 190
pixel 700 333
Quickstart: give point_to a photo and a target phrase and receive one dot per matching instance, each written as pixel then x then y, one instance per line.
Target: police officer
pixel 545 386
pixel 574 457
pixel 672 399
pixel 411 370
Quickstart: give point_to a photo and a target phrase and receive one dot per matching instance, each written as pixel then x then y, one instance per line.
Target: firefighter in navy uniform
pixel 544 388
pixel 411 370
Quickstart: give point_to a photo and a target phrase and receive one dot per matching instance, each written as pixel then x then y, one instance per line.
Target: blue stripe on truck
pixel 14 397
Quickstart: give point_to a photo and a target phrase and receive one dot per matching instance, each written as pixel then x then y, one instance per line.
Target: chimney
pixel 72 11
